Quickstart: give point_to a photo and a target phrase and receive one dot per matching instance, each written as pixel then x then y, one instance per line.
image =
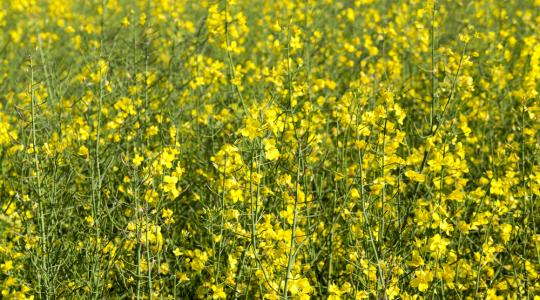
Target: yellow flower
pixel 164 268
pixel 355 194
pixel 437 245
pixel 456 195
pixel 334 292
pixel 506 231
pixel 271 152
pixel 137 160
pixel 251 129
pixel 166 213
pixel 392 291
pixel 169 186
pixel 151 131
pixel 125 22
pixel 177 252
pixel 182 277
pixel 422 279
pixel 7 266
pixel 90 220
pixel 415 176
pixel 83 151
pixel 217 292
pixel 236 195
pixel 416 260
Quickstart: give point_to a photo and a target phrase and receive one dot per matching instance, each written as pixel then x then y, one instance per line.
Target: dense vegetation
pixel 325 149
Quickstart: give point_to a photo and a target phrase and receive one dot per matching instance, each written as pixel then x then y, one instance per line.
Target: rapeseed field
pixel 254 149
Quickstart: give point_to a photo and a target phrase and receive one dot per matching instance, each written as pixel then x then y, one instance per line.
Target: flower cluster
pixel 288 149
